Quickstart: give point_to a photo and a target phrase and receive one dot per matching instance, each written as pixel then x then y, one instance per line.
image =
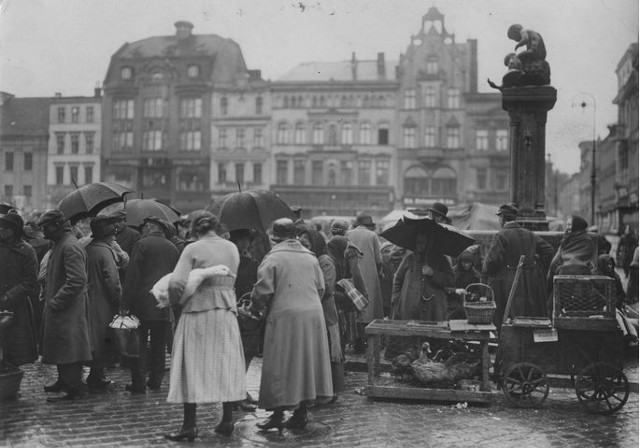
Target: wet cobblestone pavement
pixel 117 418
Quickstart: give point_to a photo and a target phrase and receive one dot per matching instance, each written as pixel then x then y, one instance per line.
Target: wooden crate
pixel 583 296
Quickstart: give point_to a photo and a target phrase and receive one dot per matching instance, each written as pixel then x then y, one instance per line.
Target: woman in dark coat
pixel 104 296
pixel 19 271
pixel 577 252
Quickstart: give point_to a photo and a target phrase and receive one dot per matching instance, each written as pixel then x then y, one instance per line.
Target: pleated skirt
pixel 207 360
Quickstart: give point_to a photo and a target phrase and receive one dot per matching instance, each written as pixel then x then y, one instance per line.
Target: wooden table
pixel 452 330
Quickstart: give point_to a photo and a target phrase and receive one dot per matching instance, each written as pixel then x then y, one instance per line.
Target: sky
pixel 49 46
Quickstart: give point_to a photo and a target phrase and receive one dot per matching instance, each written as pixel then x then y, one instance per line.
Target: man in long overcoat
pixel 512 241
pixel 104 298
pixel 371 262
pixel 66 340
pixel 151 259
pixel 18 274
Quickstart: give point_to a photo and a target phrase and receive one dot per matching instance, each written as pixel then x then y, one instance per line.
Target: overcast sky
pixel 50 46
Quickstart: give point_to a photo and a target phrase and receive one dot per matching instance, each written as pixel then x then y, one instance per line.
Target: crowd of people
pixel 298 295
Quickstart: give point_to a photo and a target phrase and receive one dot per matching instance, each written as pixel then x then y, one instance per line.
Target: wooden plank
pixel 463 325
pixel 585 323
pixel 413 393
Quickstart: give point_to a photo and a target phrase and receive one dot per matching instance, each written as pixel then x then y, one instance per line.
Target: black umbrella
pixel 251 209
pixel 139 209
pixel 446 239
pixel 89 199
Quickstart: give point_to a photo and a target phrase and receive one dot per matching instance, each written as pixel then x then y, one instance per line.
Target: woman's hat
pixel 14 222
pixel 283 229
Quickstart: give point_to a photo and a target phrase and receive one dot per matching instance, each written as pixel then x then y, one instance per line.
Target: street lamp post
pixel 583 105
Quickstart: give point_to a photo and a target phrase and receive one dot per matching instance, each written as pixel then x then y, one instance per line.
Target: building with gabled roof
pixel 157 113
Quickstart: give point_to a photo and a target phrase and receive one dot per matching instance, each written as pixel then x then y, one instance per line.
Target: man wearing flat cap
pixel 125 235
pixel 18 274
pixel 367 241
pixel 65 340
pixel 501 262
pixel 104 298
pixel 152 258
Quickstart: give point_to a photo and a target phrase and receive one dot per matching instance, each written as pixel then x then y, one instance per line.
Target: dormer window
pixel 193 71
pixel 126 73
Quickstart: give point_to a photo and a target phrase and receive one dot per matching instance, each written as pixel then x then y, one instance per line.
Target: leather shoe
pixel 225 428
pixel 153 385
pixel 98 384
pixel 245 406
pixel 298 420
pixel 189 433
pixel 135 390
pixel 275 421
pixel 55 387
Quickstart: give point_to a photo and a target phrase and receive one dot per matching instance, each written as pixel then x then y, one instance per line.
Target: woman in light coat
pixel 296 366
pixel 207 363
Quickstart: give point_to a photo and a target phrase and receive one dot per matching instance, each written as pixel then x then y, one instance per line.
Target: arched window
pixel 346 136
pixel 383 133
pixel 443 183
pixel 453 137
pixel 416 182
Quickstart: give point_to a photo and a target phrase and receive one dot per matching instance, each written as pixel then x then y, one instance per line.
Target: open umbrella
pixel 5 207
pixel 446 239
pixel 89 199
pixel 139 209
pixel 251 209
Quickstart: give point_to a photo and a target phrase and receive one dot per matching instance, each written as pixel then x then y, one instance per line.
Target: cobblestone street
pixel 119 419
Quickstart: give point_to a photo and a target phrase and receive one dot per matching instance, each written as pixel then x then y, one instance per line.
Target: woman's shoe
pixel 224 428
pixel 298 420
pixel 275 421
pixel 58 386
pixel 189 433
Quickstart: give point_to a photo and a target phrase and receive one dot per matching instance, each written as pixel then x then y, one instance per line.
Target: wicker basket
pixel 583 296
pixel 479 312
pixel 10 378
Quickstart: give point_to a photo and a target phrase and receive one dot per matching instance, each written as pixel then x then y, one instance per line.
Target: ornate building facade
pixel 375 134
pixel 75 129
pixel 158 113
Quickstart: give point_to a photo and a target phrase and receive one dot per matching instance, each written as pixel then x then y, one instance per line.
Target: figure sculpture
pixel 528 67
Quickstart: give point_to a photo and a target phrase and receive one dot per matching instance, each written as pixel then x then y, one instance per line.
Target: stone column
pixel 527 107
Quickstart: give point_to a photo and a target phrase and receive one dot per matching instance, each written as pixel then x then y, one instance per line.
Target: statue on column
pixel 528 67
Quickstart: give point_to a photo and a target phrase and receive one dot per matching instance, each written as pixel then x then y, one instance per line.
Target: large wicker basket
pixel 479 312
pixel 10 378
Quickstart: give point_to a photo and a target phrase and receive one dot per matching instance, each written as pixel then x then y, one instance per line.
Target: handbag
pixel 125 329
pixel 359 301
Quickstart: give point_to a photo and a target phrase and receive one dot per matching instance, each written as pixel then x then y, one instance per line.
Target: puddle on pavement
pixel 315 430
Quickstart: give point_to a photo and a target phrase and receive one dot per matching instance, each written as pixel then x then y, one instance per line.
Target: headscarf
pixel 606 265
pixel 318 244
pixel 576 238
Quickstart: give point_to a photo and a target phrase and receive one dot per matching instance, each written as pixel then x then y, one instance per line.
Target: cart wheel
pixel 525 385
pixel 602 388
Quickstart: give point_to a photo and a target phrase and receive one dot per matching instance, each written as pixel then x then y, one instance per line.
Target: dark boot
pixel 275 421
pixel 189 430
pixel 299 419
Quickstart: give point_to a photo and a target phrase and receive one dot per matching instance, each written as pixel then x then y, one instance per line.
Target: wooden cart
pixel 458 330
pixel 582 341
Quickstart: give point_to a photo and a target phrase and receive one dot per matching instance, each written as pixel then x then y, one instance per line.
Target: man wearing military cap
pixel 65 340
pixel 501 261
pixel 153 257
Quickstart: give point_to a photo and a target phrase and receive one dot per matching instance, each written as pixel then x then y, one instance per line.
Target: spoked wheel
pixel 602 388
pixel 525 385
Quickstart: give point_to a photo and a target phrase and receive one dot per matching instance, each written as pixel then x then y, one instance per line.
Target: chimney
pixel 58 95
pixel 97 92
pixel 382 70
pixel 473 65
pixel 183 29
pixel 354 67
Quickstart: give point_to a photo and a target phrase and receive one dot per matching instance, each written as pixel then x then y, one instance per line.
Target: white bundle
pixel 161 289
